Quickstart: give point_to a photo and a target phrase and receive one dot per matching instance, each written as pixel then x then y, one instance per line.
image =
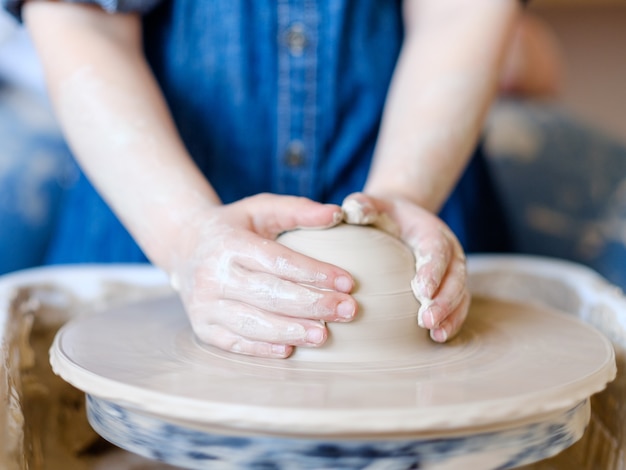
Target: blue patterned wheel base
pixel 187 447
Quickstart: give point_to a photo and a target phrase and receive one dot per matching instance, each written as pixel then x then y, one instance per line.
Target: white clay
pixel 382 266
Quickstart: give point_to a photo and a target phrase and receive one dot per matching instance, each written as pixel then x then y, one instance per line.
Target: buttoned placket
pixel 296 97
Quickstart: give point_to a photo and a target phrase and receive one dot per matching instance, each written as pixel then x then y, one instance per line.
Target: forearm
pixel 444 83
pixel 117 123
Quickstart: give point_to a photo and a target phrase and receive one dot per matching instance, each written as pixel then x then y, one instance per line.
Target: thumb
pixel 272 215
pixel 359 209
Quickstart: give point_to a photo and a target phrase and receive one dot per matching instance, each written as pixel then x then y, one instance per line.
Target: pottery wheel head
pixel 510 362
pixel 385 326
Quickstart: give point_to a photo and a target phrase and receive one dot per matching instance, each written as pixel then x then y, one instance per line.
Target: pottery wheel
pixel 511 364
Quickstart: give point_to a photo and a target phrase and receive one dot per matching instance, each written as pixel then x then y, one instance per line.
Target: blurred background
pixel 560 164
pixel 592 37
pixel 35 164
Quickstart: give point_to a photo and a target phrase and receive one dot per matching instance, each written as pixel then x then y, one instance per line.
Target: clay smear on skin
pixel 356 212
pixel 418 286
pixel 278 293
pixel 81 102
pixel 214 251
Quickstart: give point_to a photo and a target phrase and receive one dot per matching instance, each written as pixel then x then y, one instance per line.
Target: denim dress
pixel 280 96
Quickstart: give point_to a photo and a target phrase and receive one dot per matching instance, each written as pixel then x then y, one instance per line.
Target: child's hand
pixel 244 292
pixel 440 281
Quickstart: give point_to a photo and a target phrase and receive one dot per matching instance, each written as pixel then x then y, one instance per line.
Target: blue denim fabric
pixel 277 95
pixel 281 96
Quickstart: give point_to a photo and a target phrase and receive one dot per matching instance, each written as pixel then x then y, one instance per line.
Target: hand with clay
pixel 248 294
pixel 440 278
pixel 431 121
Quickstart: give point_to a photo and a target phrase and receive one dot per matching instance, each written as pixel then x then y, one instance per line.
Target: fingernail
pixel 345 309
pixel 433 316
pixel 314 335
pixel 337 217
pixel 440 335
pixel 426 316
pixel 279 349
pixel 343 284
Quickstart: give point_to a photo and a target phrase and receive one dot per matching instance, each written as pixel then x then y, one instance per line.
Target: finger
pixel 434 251
pixel 273 215
pixel 226 340
pixel 450 294
pixel 276 295
pixel 359 209
pixel 256 254
pixel 449 328
pixel 253 324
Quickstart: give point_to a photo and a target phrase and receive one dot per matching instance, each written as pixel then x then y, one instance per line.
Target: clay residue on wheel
pixel 42 418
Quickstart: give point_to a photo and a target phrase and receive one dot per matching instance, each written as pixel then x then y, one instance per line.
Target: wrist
pixel 177 234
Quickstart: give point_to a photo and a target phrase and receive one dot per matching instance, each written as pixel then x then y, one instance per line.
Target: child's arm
pixel 444 83
pixel 118 125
